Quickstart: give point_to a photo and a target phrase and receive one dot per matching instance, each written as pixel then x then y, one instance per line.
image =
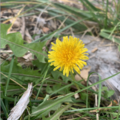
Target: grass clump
pixel 54 94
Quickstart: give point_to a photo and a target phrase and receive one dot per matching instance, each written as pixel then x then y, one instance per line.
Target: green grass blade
pixel 75 11
pixel 65 28
pixel 61 89
pixel 45 74
pixel 118 115
pixel 10 71
pixel 99 94
pixel 89 5
pixel 106 18
pixel 3 108
pixel 87 94
pixel 45 37
pixel 58 113
pixel 7 98
pixel 6 105
pixel 71 94
pixel 94 108
pixel 107 36
pixel 57 32
pixel 96 82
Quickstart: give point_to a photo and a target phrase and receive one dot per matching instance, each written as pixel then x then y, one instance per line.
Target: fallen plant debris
pixel 21 105
pixel 26 37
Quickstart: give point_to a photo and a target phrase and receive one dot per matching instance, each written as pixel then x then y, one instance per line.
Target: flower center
pixel 68 56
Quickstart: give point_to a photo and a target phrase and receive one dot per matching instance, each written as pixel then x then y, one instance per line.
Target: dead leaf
pixel 13 19
pixel 68 1
pixel 28 37
pixel 3 9
pixel 15 11
pixel 110 104
pixel 77 77
pixel 52 24
pixel 76 96
pixel 5 51
pixel 116 102
pixel 17 22
pixel 40 21
pixel 23 28
pixel 24 62
pixel 21 105
pixel 11 32
pixel 45 29
pixel 84 74
pixel 94 50
pixel 28 57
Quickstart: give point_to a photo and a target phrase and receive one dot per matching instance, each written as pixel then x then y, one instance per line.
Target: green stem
pixel 74 81
pixel 45 74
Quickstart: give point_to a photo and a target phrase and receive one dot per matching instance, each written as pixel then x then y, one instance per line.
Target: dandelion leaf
pixel 16 43
pixel 21 75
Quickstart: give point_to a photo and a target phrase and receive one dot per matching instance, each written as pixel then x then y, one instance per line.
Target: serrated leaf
pixel 48 89
pixel 15 41
pixel 56 87
pixel 20 74
pixel 110 93
pixel 13 37
pixel 39 65
pixel 36 49
pixel 57 74
pixel 104 88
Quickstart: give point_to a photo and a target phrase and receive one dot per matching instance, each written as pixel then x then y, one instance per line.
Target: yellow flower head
pixel 68 55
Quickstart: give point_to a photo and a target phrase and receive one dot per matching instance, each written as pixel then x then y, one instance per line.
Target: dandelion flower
pixel 68 55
